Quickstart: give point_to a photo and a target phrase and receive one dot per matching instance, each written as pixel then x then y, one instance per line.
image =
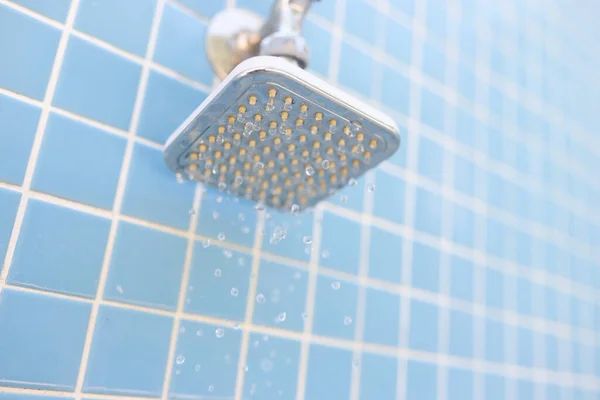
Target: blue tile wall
pixel 464 267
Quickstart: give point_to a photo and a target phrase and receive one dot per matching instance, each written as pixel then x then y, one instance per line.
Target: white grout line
pixel 250 303
pixel 37 142
pixel 120 194
pixel 412 152
pixel 189 254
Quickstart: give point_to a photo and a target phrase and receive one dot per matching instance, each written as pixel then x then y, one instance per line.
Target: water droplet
pixel 266 365
pixel 222 186
pixel 236 325
pixel 227 358
pixel 260 298
pixel 220 139
pixel 119 289
pixel 248 128
pixel 355 363
pixel 281 317
pixel 287 107
pixel 297 275
pixel 241 261
pixel 259 207
pixel 245 229
pixel 371 188
pixel 211 388
pixel 241 117
pixel 303 114
pixel 221 236
pixel 282 129
pixel 180 359
pixel 295 209
pixel 325 254
pixel 192 211
pixel 347 320
pixel 206 243
pixel 344 199
pixel 177 372
pixel 220 332
pixel 352 182
pixel 259 165
pixel 307 239
pixel 220 199
pixel 215 215
pixel 265 338
pixel 335 285
pixel 197 368
pixel 305 316
pixel 325 164
pixel 241 217
pixel 246 368
pixel 234 292
pixel 199 332
pixel 238 181
pixel 182 329
pixel 310 171
pixel 218 272
pixel 269 106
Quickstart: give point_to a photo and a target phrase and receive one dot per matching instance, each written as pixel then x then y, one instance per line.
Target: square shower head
pixel 276 134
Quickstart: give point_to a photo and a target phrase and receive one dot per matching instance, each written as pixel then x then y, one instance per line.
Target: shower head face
pixel 275 134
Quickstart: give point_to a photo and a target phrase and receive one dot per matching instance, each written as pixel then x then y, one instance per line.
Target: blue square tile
pixel 27 62
pixel 319 42
pixel 466 128
pixel 524 296
pixel 385 255
pixel 18 123
pixel 153 192
pixel 400 157
pixel 57 10
pixel 335 308
pixel 398 41
pixel 356 70
pixel 91 171
pixel 432 110
pixel 337 233
pixel 18 396
pixel 9 202
pixel 351 197
pixel 181 45
pixel 206 8
pixel 524 347
pixel 434 61
pixel 426 267
pixel 359 14
pixel 260 7
pixel 388 200
pixel 167 103
pixel 494 341
pixel 496 191
pixel 218 282
pixel 382 318
pixel 461 279
pixel 272 368
pixel 461 334
pixel 467 82
pixel 496 100
pixel 41 340
pixel 97 84
pixel 464 175
pixel 289 236
pixel 421 381
pixel 205 362
pixel 431 158
pixel 325 9
pixel 125 24
pixel 146 267
pixel 460 384
pixel 283 296
pixel 436 18
pixel 378 376
pixel 495 237
pixel 525 389
pixel 428 212
pixel 494 288
pixel 463 225
pixel 42 259
pixel 551 304
pixel 227 217
pixel 496 144
pixel 125 341
pixel 423 331
pixel 395 93
pixel 405 6
pixel 494 387
pixel 327 365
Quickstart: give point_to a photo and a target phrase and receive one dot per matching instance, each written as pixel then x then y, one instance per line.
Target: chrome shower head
pixel 276 134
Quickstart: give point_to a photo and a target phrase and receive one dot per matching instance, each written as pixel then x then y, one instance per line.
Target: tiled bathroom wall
pixel 466 267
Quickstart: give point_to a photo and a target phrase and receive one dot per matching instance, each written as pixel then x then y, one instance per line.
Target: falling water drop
pixel 347 320
pixel 180 359
pixel 220 332
pixel 281 317
pixel 335 285
pixel 260 298
pixel 234 292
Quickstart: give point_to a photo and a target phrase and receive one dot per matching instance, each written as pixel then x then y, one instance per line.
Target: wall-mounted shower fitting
pixel 272 132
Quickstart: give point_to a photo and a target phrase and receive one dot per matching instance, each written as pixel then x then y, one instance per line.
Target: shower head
pixel 276 134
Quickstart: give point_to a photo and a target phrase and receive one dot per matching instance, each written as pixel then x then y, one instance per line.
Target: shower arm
pixel 235 35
